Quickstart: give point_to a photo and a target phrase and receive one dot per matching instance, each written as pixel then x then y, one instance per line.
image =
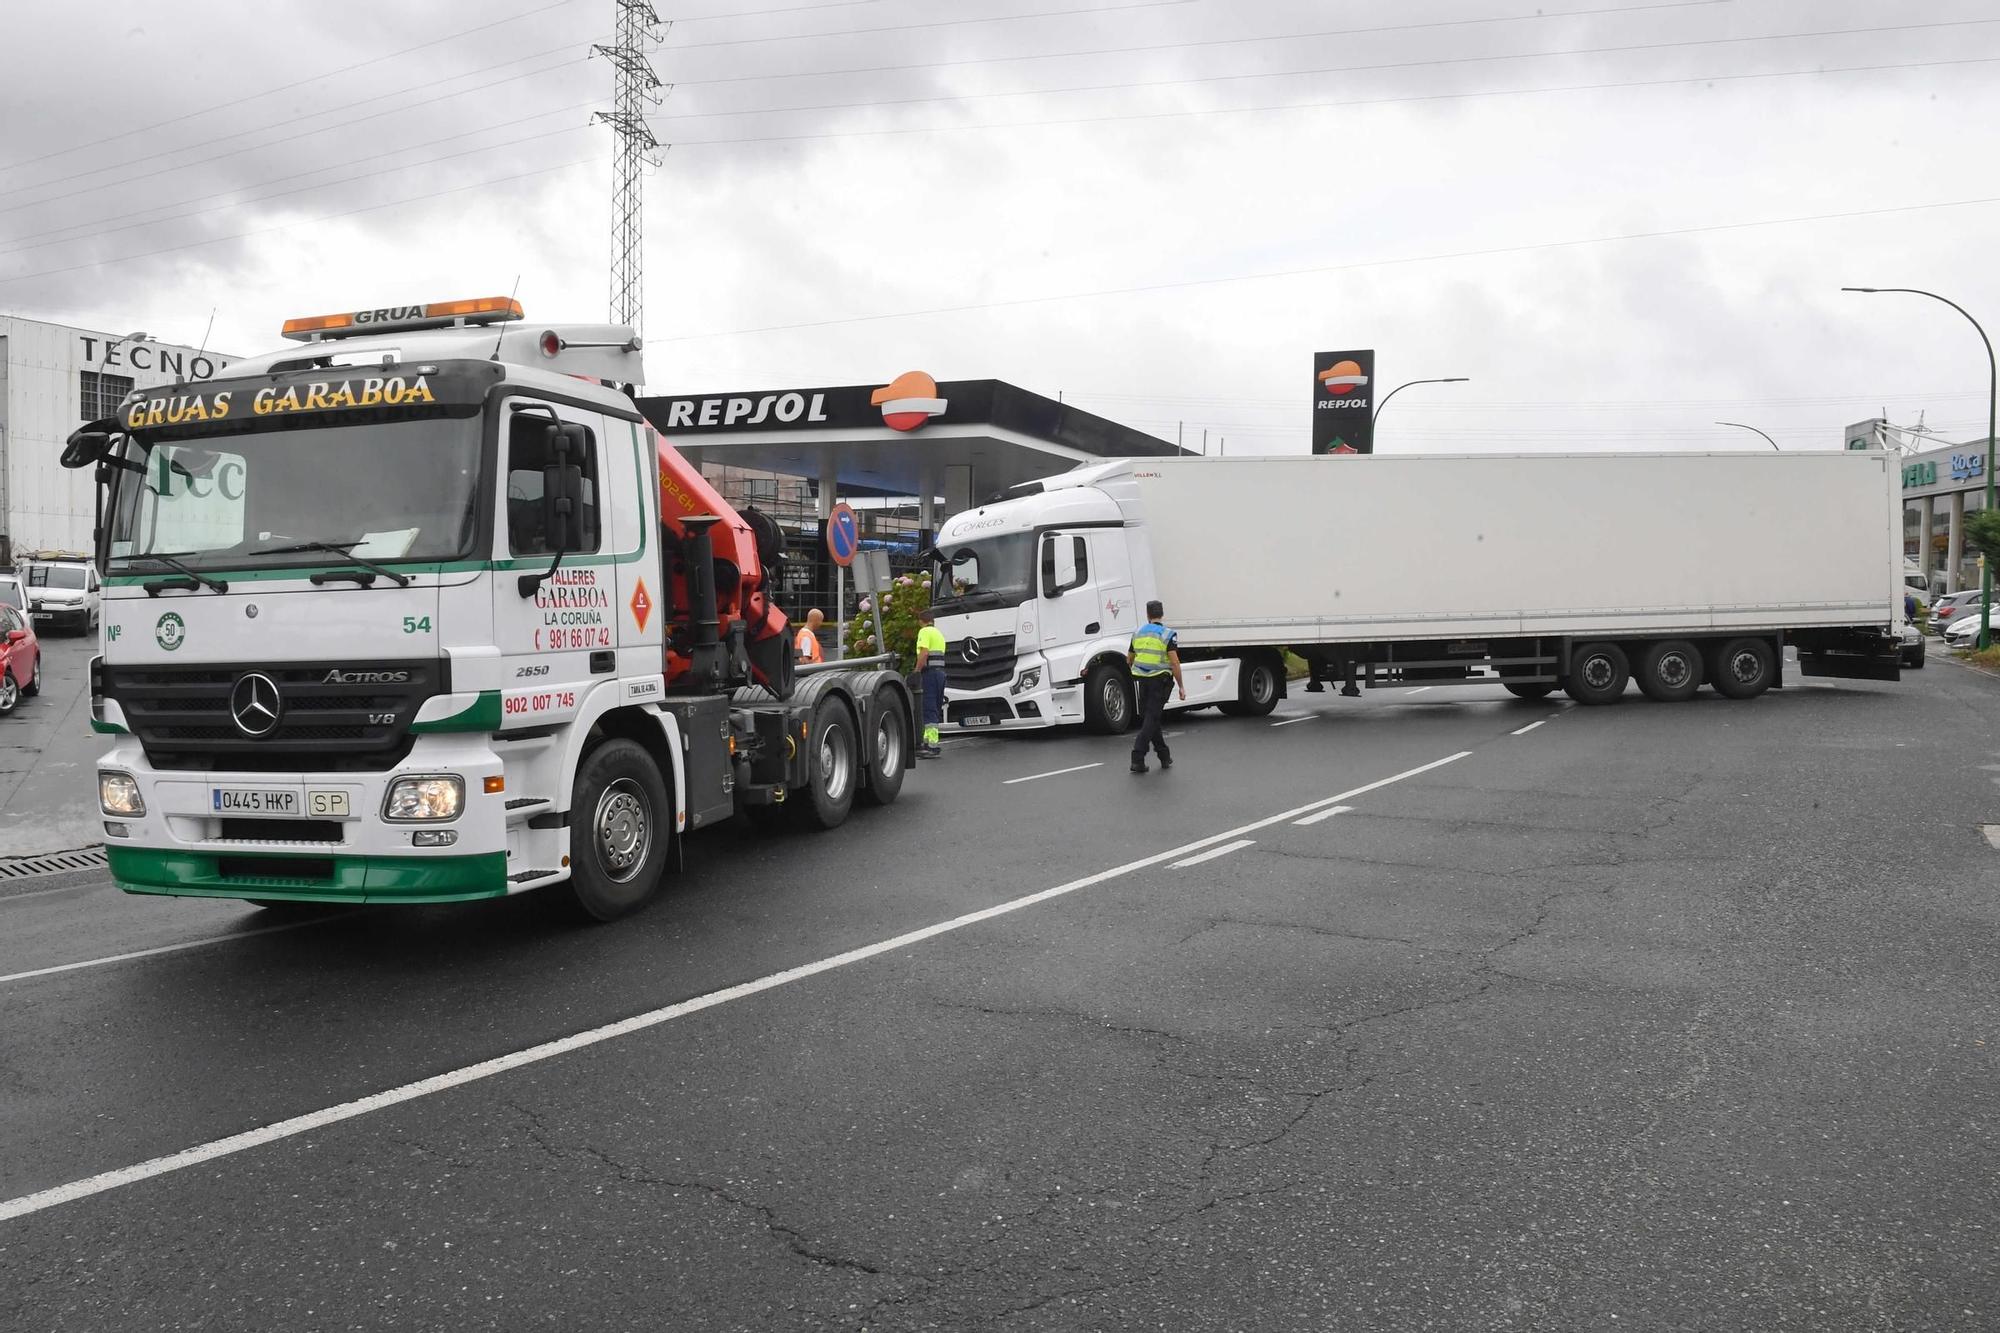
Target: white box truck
pixel 1574 571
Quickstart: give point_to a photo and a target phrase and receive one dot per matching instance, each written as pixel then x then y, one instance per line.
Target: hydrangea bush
pixel 910 594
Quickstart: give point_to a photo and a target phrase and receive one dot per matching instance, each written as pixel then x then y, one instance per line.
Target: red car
pixel 20 659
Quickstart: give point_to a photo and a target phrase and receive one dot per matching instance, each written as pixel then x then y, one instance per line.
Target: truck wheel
pixel 1670 671
pixel 1256 689
pixel 1597 674
pixel 890 755
pixel 1744 668
pixel 836 767
pixel 1107 700
pixel 619 822
pixel 1534 689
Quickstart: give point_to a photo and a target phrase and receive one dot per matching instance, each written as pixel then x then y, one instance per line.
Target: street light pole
pixel 1384 400
pixel 1740 426
pixel 1992 424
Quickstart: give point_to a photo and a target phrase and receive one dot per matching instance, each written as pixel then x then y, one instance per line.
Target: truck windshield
pixel 397 490
pixel 989 572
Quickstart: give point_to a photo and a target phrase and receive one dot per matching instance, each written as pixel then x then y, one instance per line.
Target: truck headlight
pixel 1029 679
pixel 413 800
pixel 118 794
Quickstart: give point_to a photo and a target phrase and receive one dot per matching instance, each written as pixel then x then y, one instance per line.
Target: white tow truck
pixel 421 609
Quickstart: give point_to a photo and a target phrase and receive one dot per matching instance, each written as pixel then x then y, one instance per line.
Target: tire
pixel 34 685
pixel 889 755
pixel 1534 689
pixel 620 823
pixel 10 691
pixel 1256 689
pixel 1915 661
pixel 1598 673
pixel 1108 707
pixel 1744 668
pixel 836 767
pixel 1670 671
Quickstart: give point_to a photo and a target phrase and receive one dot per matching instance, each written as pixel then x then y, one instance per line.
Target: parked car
pixel 13 593
pixel 63 593
pixel 1913 647
pixel 1963 632
pixel 1949 605
pixel 20 659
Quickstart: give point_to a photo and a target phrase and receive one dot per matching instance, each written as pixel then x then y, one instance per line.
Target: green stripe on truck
pixel 482 715
pixel 322 879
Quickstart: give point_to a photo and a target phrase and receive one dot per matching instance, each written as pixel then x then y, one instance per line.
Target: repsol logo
pixel 1340 403
pixel 687 413
pixel 339 677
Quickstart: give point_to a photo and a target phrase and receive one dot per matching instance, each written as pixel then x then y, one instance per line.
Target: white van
pixel 62 592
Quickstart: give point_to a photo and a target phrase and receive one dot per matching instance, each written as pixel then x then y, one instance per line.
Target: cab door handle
pixel 603 663
pixel 1093 627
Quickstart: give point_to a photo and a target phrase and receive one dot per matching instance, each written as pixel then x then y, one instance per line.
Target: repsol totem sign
pixel 1344 402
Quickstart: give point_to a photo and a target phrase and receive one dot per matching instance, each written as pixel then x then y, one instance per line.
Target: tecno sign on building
pixel 53 378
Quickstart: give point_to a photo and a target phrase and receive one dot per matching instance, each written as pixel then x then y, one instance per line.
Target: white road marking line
pixel 1214 852
pixel 332 1115
pixel 1053 773
pixel 1421 688
pixel 1327 813
pixel 164 948
pixel 1303 717
pixel 1530 727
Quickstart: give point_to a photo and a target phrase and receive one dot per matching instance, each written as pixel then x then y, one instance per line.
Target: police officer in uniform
pixel 930 673
pixel 1155 661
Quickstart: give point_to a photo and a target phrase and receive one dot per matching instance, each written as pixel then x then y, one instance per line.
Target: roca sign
pixel 156 358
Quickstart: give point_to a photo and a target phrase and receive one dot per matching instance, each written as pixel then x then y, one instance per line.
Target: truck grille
pixel 183 718
pixel 992 664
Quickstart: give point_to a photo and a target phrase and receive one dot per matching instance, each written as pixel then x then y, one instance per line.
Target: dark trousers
pixel 933 682
pixel 1152 699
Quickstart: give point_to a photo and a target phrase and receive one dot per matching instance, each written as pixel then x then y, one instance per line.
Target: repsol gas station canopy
pixel 915 436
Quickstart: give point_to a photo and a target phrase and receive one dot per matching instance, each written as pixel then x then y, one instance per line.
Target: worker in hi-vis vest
pixel 1155 661
pixel 807 644
pixel 930 674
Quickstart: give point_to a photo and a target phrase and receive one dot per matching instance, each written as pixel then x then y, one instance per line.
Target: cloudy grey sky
pixel 1623 219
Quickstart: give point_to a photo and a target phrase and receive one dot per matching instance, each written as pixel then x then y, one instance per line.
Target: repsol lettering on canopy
pixel 272 400
pixel 787 408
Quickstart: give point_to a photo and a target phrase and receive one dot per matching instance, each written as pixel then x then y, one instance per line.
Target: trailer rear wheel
pixel 889 757
pixel 1598 673
pixel 1744 668
pixel 1107 700
pixel 1533 689
pixel 619 824
pixel 1257 689
pixel 1670 671
pixel 836 767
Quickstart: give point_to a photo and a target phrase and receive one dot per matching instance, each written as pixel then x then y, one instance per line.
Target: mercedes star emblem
pixel 971 650
pixel 256 705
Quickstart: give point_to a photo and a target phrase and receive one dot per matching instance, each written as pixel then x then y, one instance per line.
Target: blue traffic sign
pixel 843 535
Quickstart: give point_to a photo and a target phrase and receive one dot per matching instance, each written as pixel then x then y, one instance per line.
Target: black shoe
pixel 1165 763
pixel 931 752
pixel 1138 768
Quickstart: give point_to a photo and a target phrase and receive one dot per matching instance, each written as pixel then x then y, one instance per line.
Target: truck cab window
pixel 528 452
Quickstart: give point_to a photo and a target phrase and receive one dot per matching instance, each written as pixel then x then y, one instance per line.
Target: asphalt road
pixel 1648 1017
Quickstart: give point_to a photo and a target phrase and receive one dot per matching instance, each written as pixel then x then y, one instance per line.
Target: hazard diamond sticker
pixel 642 605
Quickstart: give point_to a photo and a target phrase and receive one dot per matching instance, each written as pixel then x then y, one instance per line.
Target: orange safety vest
pixel 808 646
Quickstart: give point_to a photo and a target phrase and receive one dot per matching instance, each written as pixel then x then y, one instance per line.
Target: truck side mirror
pixel 86 445
pixel 560 484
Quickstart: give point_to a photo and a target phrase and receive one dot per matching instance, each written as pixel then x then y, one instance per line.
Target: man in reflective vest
pixel 930 673
pixel 1155 660
pixel 808 640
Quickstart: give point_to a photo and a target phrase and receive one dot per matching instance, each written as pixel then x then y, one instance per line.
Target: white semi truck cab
pixel 421 609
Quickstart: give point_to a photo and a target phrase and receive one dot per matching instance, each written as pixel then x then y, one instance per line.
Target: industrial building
pixel 54 377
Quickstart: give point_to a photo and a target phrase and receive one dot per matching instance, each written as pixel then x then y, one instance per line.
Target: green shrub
pixel 910 594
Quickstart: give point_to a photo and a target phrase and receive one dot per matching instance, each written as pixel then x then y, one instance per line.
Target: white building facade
pixel 53 378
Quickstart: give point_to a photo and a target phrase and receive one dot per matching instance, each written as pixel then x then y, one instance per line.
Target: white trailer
pixel 1537 571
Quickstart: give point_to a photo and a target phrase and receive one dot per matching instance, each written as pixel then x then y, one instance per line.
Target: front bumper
pixel 183 846
pixel 1030 710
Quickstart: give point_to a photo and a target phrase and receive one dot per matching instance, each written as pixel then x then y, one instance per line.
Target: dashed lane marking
pixel 1214 852
pixel 1052 773
pixel 1530 727
pixel 1327 813
pixel 163 949
pixel 332 1115
pixel 1303 717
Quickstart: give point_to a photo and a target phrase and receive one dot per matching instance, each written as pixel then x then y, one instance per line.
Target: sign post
pixel 872 576
pixel 1343 402
pixel 843 542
